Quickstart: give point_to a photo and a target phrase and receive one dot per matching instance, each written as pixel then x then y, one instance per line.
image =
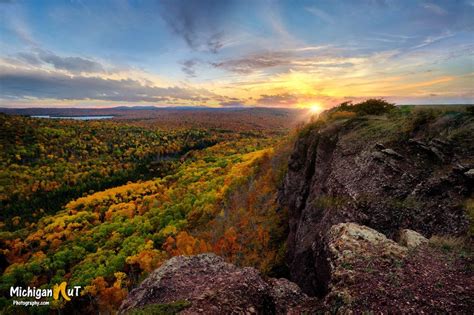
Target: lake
pixel 72 117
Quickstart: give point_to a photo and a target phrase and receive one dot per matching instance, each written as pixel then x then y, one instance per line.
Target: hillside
pixel 219 199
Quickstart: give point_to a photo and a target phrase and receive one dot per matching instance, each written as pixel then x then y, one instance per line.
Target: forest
pixel 100 204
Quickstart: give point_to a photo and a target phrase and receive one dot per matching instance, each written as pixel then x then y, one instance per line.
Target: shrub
pixel 371 106
pixel 448 243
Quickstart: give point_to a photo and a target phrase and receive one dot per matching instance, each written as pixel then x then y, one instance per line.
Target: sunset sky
pixel 235 53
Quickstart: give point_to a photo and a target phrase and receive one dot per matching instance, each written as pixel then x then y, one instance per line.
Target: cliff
pixel 387 173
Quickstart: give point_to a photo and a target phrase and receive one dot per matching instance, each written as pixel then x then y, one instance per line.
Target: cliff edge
pixel 385 172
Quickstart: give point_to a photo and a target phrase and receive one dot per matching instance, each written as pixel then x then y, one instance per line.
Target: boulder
pixel 347 244
pixel 209 285
pixel 411 239
pixel 347 240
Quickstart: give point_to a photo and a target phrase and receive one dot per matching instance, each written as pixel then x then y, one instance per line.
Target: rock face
pixel 213 286
pixel 372 172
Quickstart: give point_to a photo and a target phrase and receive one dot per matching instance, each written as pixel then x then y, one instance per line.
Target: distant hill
pixel 243 118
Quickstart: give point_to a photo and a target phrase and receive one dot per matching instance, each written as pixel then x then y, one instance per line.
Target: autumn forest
pixel 102 203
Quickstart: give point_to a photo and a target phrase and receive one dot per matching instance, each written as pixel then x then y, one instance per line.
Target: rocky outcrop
pixel 212 286
pixel 348 240
pixel 378 173
pixel 349 243
pixel 411 239
pixel 371 273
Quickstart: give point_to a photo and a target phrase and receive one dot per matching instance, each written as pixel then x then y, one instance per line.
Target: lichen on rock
pixel 411 239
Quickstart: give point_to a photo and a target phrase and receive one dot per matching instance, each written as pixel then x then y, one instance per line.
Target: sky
pixel 235 53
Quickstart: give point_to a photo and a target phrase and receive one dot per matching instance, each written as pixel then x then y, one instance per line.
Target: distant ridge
pixel 134 107
pixel 200 115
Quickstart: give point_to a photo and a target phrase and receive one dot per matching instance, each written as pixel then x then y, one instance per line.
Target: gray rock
pixel 347 240
pixel 347 243
pixel 392 153
pixel 411 239
pixel 470 173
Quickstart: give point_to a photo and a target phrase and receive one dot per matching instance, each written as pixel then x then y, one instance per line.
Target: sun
pixel 315 109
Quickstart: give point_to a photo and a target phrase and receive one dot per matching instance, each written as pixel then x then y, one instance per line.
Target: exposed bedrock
pixel 371 172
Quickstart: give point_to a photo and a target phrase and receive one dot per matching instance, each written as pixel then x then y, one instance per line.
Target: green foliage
pixel 452 244
pixel 349 111
pixel 313 125
pixel 367 107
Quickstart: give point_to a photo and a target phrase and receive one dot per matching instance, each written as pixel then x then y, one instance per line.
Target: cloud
pixel 188 67
pixel 28 58
pixel 433 39
pixel 333 63
pixel 74 65
pixel 71 64
pixel 232 103
pixel 253 62
pixel 42 84
pixel 215 42
pixel 199 23
pixel 380 3
pixel 284 99
pixel 16 23
pixel 285 61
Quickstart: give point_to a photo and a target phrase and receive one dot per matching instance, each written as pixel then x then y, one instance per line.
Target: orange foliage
pixel 121 209
pixel 227 246
pixel 148 259
pixel 107 297
pixel 185 244
pixel 15 251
